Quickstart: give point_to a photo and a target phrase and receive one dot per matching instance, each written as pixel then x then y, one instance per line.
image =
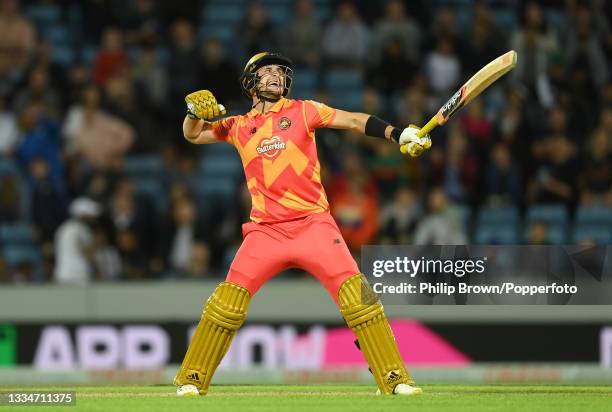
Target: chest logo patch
pixel 271 147
pixel 284 123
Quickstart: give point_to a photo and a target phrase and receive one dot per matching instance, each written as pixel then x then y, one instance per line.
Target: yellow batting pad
pixel 223 315
pixel 364 314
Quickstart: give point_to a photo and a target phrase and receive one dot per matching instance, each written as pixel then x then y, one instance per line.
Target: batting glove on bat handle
pixel 203 105
pixel 412 142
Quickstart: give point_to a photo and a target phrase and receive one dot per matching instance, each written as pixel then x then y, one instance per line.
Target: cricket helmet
pixel 249 77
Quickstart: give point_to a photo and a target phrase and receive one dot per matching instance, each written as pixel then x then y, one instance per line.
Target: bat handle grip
pixel 431 124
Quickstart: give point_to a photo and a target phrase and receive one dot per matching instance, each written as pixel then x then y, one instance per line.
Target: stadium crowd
pixel 97 182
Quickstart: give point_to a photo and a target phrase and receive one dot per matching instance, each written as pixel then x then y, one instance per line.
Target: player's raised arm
pixel 202 106
pixel 373 126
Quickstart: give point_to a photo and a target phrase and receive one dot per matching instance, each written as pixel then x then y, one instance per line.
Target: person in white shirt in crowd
pixel 74 243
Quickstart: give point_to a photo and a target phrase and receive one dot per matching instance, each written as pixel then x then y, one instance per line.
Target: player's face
pixel 272 79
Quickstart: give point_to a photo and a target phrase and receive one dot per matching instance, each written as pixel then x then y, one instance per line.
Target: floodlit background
pixel 91 104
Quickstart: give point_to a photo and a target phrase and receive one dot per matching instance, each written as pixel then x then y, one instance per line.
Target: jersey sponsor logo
pixel 271 147
pixel 284 123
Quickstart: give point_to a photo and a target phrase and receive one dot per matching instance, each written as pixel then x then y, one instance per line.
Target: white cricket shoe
pixel 187 390
pixel 404 389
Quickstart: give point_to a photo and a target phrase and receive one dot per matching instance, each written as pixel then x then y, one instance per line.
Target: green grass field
pixel 311 398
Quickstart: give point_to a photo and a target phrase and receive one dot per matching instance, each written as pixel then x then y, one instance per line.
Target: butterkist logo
pixel 271 147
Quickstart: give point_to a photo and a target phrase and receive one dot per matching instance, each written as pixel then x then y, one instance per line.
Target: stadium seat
pixel 231 14
pixel 144 166
pixel 223 32
pixel 43 14
pixel 341 80
pixel 500 234
pixel 465 212
pixel 214 192
pixel 17 234
pixel 152 190
pixel 63 55
pixel 504 17
pixel 548 213
pixel 219 166
pixel 600 234
pixel 594 215
pixel 498 215
pixel 8 167
pixel 349 100
pixel 278 15
pixel 16 255
pixel 57 34
pixel 305 79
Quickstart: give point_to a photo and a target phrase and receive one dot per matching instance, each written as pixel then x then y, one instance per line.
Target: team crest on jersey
pixel 271 147
pixel 284 123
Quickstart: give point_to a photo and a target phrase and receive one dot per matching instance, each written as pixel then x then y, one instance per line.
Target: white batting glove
pixel 415 145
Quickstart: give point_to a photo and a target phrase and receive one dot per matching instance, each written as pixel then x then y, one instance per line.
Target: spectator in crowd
pixel 442 225
pixel 554 179
pixel 477 128
pixel 56 72
pixel 4 272
pixel 535 44
pixel 583 45
pixel 300 40
pixel 356 214
pixel 126 100
pixel 213 64
pixel 38 89
pixel 444 26
pixel 255 32
pixel 9 131
pixel 200 262
pixel 106 258
pixel 150 77
pixel 131 229
pixel 346 40
pixel 180 236
pixel 112 58
pixel 353 167
pixel 182 67
pixel 537 234
pixel 399 218
pixel 398 28
pixel 411 107
pixel 48 200
pixel 485 41
pixel 595 180
pixel 388 167
pixel 503 178
pixel 394 71
pixel 460 168
pixel 99 139
pixel 74 243
pixel 10 198
pixel 17 41
pixel 41 140
pixel 141 23
pixel 443 69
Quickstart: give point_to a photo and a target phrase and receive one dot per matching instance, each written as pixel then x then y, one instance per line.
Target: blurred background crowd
pixel 97 182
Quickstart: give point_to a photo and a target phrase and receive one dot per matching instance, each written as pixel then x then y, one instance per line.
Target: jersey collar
pixel 276 107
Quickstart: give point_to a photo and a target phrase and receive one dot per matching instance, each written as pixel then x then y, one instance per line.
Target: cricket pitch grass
pixel 316 398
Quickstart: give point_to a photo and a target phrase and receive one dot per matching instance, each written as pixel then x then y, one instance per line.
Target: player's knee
pixel 227 306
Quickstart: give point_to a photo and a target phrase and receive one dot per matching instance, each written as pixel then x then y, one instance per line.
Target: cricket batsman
pixel 291 225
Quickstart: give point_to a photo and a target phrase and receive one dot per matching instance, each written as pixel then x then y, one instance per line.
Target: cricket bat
pixel 472 88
